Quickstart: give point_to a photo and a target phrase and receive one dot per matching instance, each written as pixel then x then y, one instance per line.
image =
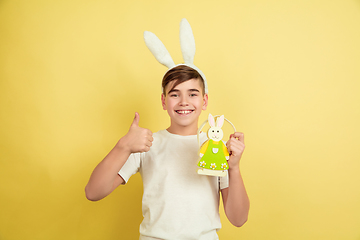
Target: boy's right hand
pixel 137 139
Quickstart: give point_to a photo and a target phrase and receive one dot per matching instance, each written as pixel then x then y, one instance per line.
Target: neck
pixel 183 130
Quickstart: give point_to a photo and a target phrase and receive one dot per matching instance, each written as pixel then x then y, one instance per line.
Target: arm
pixel 235 199
pixel 203 148
pixel 225 150
pixel 105 178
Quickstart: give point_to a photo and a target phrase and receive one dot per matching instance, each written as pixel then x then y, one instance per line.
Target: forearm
pixel 104 178
pixel 237 202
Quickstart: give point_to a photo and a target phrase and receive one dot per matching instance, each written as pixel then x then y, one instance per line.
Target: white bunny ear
pixel 211 120
pixel 158 49
pixel 187 42
pixel 220 121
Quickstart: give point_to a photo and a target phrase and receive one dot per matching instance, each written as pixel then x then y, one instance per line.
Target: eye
pixel 193 95
pixel 213 131
pixel 218 131
pixel 173 95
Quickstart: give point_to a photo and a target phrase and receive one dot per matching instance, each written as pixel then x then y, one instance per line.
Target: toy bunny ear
pixel 158 49
pixel 220 121
pixel 187 42
pixel 211 120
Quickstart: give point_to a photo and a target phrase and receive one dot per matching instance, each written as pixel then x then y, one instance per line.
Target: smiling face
pixel 184 103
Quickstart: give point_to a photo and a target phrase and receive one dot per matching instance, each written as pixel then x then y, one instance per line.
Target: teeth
pixel 184 111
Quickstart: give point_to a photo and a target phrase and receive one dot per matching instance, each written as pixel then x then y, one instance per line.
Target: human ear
pixel 163 101
pixel 206 101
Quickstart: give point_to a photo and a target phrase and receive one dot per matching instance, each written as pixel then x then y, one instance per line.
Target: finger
pixel 228 144
pixel 136 120
pixel 148 144
pixel 150 138
pixel 145 149
pixel 149 132
pixel 236 134
pixel 235 150
pixel 229 148
pixel 239 136
pixel 231 141
pixel 236 145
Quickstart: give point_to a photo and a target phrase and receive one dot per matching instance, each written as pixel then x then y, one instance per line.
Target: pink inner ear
pixel 220 121
pixel 211 120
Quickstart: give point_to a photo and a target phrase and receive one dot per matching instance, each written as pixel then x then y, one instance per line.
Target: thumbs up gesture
pixel 137 139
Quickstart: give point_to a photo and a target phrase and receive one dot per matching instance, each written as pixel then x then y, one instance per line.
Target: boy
pixel 177 202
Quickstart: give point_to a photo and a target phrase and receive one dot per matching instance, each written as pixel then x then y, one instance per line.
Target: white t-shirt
pixel 177 202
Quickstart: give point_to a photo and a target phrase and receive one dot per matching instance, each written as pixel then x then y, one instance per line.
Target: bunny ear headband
pixel 187 43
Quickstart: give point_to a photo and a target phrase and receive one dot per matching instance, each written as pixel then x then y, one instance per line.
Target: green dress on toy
pixel 214 153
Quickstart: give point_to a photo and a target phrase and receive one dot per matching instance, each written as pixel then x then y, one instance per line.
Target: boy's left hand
pixel 236 147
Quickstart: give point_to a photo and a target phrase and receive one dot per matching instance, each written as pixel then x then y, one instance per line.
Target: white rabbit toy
pixel 213 152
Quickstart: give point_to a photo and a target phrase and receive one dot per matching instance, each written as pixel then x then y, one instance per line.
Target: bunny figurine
pixel 214 153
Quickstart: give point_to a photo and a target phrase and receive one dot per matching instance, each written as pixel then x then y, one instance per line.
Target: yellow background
pixel 286 73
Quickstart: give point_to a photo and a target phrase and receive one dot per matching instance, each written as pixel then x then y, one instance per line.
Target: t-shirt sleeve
pixel 130 167
pixel 224 181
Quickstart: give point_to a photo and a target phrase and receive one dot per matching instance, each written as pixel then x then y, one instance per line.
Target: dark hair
pixel 180 74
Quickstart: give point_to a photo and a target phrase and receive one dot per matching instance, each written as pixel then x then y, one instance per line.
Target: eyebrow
pixel 193 90
pixel 190 90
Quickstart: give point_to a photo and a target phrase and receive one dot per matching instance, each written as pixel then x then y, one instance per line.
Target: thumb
pixel 136 120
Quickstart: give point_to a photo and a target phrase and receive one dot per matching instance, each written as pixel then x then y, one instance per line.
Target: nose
pixel 183 101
